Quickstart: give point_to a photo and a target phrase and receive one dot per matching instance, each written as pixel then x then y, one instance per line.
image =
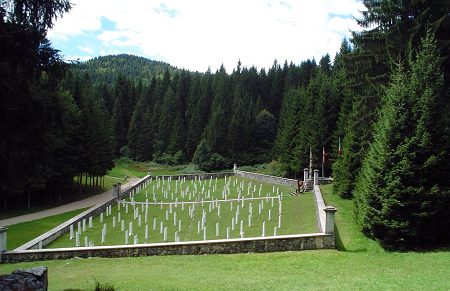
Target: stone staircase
pixel 309 186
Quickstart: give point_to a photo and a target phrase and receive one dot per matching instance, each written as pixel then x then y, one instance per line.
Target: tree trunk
pixel 85 183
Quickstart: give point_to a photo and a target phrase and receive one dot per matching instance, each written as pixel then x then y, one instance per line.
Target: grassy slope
pixel 20 233
pixel 360 264
pixel 299 217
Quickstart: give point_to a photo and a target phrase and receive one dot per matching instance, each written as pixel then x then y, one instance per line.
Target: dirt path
pixel 88 202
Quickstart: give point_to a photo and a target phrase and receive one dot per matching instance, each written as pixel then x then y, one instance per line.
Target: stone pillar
pixel 116 190
pixel 234 168
pixel 3 231
pixel 330 242
pixel 149 172
pixel 316 177
pixel 305 174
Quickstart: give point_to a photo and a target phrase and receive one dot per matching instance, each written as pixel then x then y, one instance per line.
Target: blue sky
pixel 197 34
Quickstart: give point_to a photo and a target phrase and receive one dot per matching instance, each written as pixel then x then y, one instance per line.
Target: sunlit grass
pixel 360 265
pixel 298 213
pixel 21 233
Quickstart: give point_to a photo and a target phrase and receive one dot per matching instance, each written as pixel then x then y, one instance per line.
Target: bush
pixel 104 287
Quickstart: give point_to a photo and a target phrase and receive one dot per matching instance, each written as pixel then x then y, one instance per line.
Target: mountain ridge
pixel 106 69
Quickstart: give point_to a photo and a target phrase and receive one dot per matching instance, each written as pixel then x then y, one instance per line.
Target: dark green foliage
pixel 207 160
pixel 262 137
pixel 35 115
pixel 104 286
pixel 288 127
pixel 394 34
pixel 402 191
pixel 107 69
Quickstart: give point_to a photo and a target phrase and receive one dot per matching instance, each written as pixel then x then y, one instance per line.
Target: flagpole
pixel 322 173
pixel 323 162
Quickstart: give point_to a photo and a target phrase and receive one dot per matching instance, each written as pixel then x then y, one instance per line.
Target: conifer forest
pixel 378 108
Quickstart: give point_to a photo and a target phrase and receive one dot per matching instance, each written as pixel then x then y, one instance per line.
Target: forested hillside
pixel 107 69
pixel 378 110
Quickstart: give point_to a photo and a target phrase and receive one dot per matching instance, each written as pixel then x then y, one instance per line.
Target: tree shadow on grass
pixel 338 241
pixel 340 244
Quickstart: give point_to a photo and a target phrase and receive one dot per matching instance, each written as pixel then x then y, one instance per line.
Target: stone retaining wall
pixel 201 176
pixel 232 246
pixel 266 178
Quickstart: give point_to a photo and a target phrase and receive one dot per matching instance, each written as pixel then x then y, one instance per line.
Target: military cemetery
pixel 173 209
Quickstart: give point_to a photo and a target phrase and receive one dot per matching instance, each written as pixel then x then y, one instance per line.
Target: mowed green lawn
pixel 21 233
pixel 359 264
pixel 205 198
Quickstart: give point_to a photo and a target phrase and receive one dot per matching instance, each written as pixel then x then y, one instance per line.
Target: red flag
pixel 323 155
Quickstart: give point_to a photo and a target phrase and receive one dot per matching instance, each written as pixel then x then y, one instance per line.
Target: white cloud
pixel 77 58
pixel 196 34
pixel 86 49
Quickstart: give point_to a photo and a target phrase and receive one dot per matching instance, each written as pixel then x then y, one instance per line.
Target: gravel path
pixel 88 202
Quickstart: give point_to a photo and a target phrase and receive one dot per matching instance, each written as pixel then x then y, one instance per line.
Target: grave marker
pixel 77 239
pixel 71 231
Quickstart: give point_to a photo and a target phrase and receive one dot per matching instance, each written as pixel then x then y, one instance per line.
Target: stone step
pixel 309 185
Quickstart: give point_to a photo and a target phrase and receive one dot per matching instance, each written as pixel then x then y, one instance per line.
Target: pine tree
pixel 263 137
pixel 134 131
pixel 290 119
pixel 217 129
pixel 401 192
pixel 240 127
pixel 119 129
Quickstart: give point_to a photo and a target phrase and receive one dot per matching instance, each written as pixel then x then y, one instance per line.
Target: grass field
pixel 124 168
pixel 358 264
pixel 298 213
pixel 21 233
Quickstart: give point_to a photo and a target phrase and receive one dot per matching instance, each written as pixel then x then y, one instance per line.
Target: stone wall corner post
pixel 234 168
pixel 330 242
pixel 305 174
pixel 3 231
pixel 116 190
pixel 316 177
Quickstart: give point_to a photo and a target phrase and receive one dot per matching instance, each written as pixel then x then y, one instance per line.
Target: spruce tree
pixel 402 190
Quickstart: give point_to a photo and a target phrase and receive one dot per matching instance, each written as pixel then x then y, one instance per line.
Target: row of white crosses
pixel 81 225
pixel 183 192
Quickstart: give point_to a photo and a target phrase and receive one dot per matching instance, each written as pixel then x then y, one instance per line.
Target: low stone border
pixel 232 246
pixel 266 178
pixel 320 209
